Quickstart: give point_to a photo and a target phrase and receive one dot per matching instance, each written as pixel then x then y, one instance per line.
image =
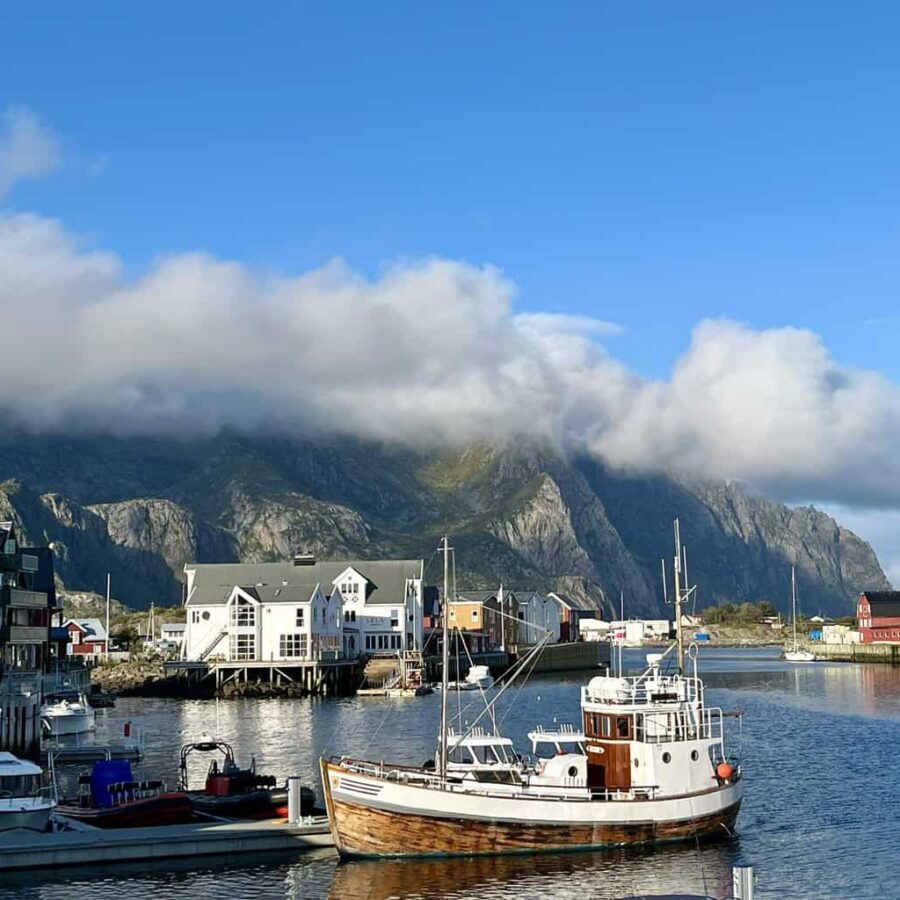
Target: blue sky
pixel 647 163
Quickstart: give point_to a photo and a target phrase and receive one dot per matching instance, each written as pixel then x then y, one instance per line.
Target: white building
pixel 538 615
pixel 301 610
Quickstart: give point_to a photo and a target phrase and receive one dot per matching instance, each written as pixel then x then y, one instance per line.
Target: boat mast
pixel 679 629
pixel 445 661
pixel 794 603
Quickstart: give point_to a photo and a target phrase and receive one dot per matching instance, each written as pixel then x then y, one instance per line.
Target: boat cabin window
pixel 19 785
pixel 461 756
pixel 612 727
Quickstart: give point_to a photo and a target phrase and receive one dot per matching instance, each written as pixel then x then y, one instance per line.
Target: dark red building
pixel 879 616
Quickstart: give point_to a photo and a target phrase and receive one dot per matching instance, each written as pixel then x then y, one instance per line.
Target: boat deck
pixel 86 845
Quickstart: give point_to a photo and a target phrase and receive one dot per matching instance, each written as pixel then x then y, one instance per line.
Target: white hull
pixel 799 656
pixel 68 721
pixel 497 818
pixel 25 812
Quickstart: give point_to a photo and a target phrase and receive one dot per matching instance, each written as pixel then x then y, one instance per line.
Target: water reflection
pixel 684 870
pixel 809 740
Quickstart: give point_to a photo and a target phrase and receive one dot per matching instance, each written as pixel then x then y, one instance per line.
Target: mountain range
pixel 529 516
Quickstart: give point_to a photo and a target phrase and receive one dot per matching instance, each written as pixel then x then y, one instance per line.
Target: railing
pixel 419 778
pixel 212 645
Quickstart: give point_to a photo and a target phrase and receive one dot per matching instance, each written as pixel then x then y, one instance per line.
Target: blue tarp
pixel 105 773
pixel 815 635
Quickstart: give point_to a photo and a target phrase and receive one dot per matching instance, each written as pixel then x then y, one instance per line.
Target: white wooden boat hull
pixel 376 816
pixel 799 656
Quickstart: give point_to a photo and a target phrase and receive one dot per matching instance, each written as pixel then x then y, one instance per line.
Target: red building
pixel 87 637
pixel 879 616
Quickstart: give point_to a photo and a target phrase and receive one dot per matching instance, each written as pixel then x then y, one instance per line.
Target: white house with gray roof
pixel 301 610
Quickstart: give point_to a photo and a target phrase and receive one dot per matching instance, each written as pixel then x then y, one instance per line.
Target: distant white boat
pixel 24 803
pixel 68 716
pixel 477 678
pixel 795 654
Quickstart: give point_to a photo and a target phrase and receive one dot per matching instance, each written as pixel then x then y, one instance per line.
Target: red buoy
pixel 724 770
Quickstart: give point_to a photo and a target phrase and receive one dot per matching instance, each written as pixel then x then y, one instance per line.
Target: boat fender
pixel 725 771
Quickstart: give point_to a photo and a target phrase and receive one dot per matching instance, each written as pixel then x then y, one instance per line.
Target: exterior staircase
pixel 211 645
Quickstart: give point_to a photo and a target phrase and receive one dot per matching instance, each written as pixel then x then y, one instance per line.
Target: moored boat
pixel 65 715
pixel 796 654
pixel 110 797
pixel 24 801
pixel 654 769
pixel 233 792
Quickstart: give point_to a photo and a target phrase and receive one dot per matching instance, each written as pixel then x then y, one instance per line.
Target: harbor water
pixel 820 745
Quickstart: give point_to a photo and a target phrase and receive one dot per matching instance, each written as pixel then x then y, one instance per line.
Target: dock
pixel 317 677
pixel 886 654
pixel 86 845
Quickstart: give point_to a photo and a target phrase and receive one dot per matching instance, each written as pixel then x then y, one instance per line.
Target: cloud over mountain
pixel 429 351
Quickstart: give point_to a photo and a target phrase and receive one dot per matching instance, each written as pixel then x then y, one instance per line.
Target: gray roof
pixel 476 596
pixel 284 582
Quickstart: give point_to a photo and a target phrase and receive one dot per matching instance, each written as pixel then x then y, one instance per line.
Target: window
pixel 300 617
pixel 293 646
pixel 622 727
pixel 242 646
pixel 352 615
pixel 205 615
pixel 474 615
pixel 667 757
pixel 243 614
pixel 195 617
pixel 606 723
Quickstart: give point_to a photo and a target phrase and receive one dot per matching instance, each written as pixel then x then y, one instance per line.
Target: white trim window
pixel 293 646
pixel 242 646
pixel 301 617
pixel 242 614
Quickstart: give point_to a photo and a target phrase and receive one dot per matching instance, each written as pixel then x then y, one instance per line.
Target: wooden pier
pixel 320 677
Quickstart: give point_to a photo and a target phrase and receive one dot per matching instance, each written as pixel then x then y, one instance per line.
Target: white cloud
pixel 431 351
pixel 28 148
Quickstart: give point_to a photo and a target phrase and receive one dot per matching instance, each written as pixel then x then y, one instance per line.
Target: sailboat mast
pixel 794 603
pixel 445 661
pixel 679 628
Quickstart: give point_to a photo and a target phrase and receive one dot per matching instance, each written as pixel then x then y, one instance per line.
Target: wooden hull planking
pixel 364 831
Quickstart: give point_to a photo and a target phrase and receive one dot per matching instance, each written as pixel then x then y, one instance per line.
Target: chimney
pixel 304 559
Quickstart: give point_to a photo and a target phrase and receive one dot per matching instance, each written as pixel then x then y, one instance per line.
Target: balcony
pixel 25 634
pixel 21 599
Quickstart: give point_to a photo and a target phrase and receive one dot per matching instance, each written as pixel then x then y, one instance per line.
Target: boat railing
pixel 409 774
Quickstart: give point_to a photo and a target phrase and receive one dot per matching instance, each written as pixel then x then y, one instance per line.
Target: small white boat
pixel 24 803
pixel 795 654
pixel 68 716
pixel 480 676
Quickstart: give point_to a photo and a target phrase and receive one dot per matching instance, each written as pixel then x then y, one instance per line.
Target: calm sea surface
pixel 821 751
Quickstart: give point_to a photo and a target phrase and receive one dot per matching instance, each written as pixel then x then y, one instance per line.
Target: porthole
pixel 667 757
pixel 695 755
pixel 573 771
pixel 205 614
pixel 637 762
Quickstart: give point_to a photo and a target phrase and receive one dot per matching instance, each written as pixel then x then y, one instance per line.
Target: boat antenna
pixel 679 628
pixel 445 660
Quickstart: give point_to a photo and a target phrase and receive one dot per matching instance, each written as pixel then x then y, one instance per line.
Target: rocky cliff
pixel 140 509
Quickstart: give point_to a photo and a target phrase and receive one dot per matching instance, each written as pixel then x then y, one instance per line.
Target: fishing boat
pixel 234 792
pixel 654 769
pixel 795 654
pixel 24 801
pixel 110 797
pixel 67 714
